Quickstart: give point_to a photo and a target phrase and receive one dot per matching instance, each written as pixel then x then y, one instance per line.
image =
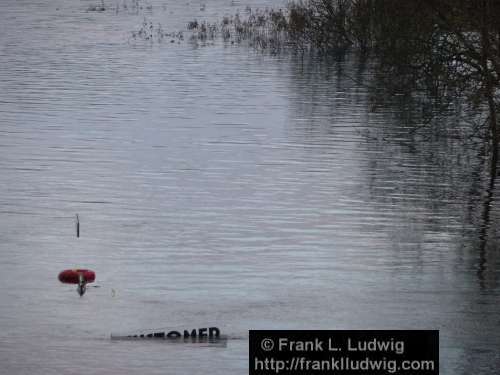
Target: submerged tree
pixel 448 48
pixel 451 50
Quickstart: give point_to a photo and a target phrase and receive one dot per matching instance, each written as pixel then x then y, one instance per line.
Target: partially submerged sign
pixel 196 334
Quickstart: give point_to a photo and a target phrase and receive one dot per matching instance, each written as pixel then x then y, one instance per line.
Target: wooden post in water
pixel 77 226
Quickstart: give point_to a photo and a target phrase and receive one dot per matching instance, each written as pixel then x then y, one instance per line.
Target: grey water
pixel 220 186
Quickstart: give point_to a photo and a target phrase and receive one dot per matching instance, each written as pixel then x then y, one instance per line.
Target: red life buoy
pixel 73 276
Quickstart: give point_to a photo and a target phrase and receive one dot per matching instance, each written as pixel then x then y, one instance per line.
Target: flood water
pixel 220 186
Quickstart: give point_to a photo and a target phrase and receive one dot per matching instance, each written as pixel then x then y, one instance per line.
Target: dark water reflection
pixel 219 186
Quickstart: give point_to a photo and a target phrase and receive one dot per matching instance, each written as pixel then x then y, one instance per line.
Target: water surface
pixel 217 185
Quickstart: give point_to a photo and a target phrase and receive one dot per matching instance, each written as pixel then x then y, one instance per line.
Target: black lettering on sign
pixel 192 333
pixel 210 332
pixel 213 332
pixel 202 332
pixel 173 334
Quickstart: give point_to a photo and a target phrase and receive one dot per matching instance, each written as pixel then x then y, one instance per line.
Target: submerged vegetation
pixel 261 28
pixel 97 7
pixel 150 32
pixel 264 29
pixel 131 6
